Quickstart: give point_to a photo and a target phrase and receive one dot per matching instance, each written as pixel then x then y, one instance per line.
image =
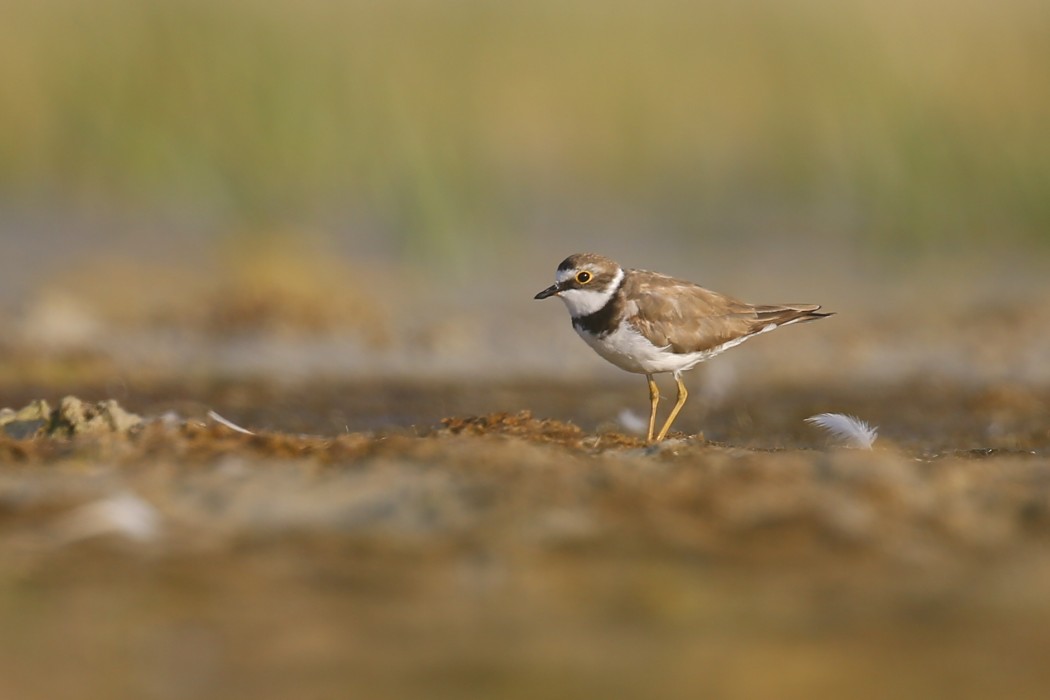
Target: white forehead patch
pixel 564 275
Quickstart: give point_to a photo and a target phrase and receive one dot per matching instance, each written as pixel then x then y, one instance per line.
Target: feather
pixel 228 423
pixel 851 430
pixel 123 514
pixel 632 422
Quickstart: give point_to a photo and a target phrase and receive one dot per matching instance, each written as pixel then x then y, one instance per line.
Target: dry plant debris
pixel 71 417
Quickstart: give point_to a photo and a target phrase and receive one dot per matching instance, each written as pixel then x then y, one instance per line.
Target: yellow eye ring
pixel 583 277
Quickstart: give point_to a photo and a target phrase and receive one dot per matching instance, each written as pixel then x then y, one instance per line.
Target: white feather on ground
pixel 632 422
pixel 123 514
pixel 851 430
pixel 228 423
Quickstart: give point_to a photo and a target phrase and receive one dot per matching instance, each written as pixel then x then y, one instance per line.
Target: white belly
pixel 630 350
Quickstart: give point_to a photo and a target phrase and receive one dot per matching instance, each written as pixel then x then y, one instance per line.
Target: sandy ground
pixel 508 555
pixel 446 500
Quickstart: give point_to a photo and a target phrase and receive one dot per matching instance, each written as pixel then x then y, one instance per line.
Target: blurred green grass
pixel 902 123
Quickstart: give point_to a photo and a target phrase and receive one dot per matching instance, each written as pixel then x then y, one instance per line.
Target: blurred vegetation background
pixel 449 128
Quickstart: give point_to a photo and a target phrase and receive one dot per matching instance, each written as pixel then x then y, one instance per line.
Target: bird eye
pixel 583 277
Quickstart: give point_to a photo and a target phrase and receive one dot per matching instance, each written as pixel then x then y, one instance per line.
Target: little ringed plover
pixel 649 323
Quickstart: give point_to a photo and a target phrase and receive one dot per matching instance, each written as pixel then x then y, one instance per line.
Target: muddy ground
pixel 381 539
pixel 443 498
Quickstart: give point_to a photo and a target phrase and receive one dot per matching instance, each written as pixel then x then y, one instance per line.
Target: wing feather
pixel 689 318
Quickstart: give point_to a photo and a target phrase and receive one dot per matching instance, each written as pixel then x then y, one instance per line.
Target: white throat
pixel 584 302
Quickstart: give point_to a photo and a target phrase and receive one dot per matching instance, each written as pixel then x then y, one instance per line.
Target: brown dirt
pixel 364 544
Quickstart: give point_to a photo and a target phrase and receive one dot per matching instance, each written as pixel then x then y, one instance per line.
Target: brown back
pixel 690 318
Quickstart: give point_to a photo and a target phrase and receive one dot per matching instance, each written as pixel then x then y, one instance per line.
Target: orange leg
pixel 682 396
pixel 654 399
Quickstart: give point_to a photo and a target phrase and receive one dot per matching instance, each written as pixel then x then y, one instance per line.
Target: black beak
pixel 548 292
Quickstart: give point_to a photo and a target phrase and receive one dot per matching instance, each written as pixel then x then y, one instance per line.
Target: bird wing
pixel 689 318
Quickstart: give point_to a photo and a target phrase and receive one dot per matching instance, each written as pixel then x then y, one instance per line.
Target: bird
pixel 649 323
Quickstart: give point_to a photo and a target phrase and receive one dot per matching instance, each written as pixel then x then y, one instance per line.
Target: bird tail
pixel 786 314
